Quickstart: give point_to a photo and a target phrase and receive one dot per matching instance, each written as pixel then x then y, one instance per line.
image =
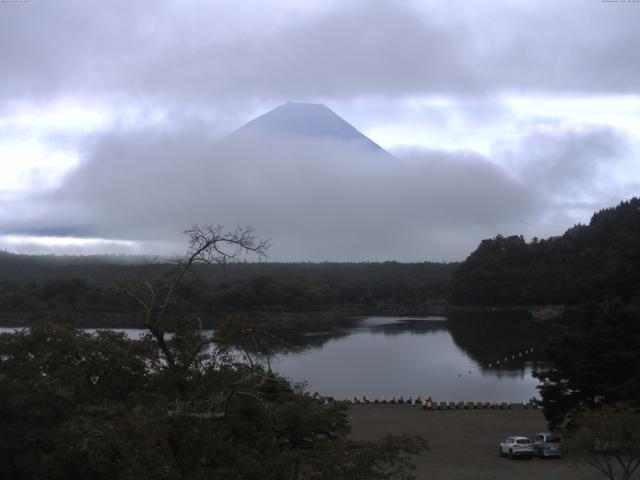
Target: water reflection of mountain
pixel 500 341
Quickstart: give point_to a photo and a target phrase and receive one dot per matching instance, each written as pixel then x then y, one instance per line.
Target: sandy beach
pixel 463 443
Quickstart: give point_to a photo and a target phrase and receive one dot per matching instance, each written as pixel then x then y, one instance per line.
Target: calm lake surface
pixel 466 357
pixel 445 358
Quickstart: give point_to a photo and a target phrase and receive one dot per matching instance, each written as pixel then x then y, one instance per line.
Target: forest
pixel 32 286
pixel 587 263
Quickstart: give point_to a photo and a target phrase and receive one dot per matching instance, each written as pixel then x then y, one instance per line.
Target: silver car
pixel 516 447
pixel 546 444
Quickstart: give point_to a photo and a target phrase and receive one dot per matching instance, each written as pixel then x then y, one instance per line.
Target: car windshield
pixel 522 441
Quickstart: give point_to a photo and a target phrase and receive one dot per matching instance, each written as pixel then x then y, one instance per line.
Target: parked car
pixel 546 444
pixel 516 447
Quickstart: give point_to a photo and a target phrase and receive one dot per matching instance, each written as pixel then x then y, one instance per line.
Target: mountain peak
pixel 313 120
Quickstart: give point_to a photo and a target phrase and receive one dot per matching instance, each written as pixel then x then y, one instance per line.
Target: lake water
pixel 461 358
pixel 451 360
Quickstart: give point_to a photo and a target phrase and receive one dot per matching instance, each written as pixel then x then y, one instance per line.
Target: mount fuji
pixel 305 121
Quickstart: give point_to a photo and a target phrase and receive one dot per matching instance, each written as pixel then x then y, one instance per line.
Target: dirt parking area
pixel 464 443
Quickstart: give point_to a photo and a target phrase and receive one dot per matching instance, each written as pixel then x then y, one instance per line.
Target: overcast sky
pixel 504 117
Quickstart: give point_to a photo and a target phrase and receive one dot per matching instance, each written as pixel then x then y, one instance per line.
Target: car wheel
pixel 540 454
pixel 511 454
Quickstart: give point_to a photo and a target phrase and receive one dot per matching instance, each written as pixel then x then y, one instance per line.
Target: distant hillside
pixel 31 286
pixel 22 268
pixel 587 263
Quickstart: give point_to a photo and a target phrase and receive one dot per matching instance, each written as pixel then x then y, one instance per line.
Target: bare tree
pixel 609 440
pixel 209 244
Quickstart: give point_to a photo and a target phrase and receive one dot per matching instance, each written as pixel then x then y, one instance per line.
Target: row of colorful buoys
pixel 511 357
pixel 466 405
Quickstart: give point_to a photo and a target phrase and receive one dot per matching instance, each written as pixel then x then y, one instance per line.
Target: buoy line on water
pixel 513 356
pixel 426 403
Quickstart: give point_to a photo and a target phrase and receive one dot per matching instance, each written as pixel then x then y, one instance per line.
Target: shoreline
pixel 537 313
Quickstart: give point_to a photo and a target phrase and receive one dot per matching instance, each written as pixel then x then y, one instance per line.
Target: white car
pixel 516 447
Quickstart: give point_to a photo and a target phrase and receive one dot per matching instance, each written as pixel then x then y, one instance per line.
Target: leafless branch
pixel 207 244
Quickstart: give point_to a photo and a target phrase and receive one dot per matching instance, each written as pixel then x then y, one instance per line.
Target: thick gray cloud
pixel 211 54
pixel 567 161
pixel 317 199
pixel 320 198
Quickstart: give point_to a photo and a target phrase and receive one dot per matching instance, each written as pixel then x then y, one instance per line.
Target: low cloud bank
pixel 316 199
pixel 322 199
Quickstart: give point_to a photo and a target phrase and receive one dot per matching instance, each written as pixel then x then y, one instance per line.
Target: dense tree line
pixel 88 289
pixel 589 262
